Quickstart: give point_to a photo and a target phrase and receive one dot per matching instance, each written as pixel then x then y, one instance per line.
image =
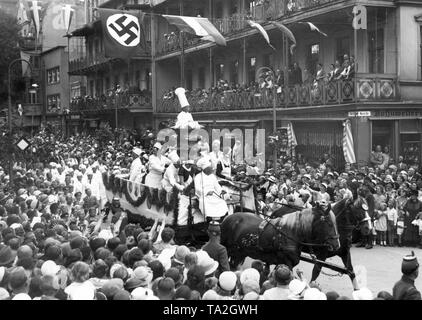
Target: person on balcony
pixel 184 118
pixel 320 75
pixel 330 75
pixel 337 70
pixel 295 75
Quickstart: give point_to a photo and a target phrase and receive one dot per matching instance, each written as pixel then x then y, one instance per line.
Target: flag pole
pixel 355 49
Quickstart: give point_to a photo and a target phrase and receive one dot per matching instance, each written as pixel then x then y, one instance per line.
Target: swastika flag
pixel 123 34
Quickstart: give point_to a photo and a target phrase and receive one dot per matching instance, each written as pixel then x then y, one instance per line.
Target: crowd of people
pixel 338 71
pixel 62 239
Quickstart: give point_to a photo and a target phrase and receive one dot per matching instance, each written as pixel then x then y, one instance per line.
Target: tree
pixel 9 51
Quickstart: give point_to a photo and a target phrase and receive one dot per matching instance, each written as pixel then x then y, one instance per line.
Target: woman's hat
pixel 158 145
pixel 208 264
pixel 227 280
pixel 181 252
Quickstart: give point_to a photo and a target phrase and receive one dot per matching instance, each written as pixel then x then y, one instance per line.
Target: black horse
pixel 349 216
pixel 280 240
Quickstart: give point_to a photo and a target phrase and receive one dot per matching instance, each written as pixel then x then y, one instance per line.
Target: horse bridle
pixel 307 244
pixel 346 207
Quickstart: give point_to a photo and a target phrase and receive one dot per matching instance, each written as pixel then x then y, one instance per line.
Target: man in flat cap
pixel 405 288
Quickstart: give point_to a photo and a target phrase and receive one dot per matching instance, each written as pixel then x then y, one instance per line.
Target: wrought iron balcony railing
pixel 120 101
pixel 368 88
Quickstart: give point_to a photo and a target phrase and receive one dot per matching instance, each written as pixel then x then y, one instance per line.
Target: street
pixel 382 264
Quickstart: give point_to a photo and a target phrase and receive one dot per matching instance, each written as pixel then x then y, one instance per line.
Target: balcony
pixel 129 101
pixel 370 88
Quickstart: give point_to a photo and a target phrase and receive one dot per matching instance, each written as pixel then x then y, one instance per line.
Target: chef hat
pixel 173 156
pixel 204 163
pixel 180 93
pixel 137 151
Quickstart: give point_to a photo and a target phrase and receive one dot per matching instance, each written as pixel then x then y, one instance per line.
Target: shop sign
pixel 359 114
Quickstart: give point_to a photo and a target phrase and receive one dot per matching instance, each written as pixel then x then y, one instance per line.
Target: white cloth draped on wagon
pixel 210 205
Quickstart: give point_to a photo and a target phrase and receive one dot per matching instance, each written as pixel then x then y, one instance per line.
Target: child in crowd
pixel 381 224
pixel 391 222
pixel 400 226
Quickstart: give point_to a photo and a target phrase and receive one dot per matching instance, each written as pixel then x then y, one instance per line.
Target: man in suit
pixel 405 288
pixel 214 249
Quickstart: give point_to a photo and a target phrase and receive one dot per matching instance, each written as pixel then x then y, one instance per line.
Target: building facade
pixel 117 92
pixel 386 86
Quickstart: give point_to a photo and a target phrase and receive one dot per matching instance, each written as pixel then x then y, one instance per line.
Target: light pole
pixel 268 73
pixel 9 90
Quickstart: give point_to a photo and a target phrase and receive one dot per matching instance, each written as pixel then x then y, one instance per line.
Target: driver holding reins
pixel 209 192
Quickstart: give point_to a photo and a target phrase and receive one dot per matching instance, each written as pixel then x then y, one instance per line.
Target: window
pixel 219 72
pixel 219 10
pixel 148 79
pixel 201 77
pixel 53 75
pixel 376 51
pixel 33 97
pixel 267 60
pixel 53 103
pixel 234 71
pixel 189 79
pixel 312 58
pixel 343 47
pixel 251 69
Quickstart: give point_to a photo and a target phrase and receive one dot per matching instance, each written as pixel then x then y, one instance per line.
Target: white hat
pixel 158 145
pixel 137 151
pixel 49 268
pixel 249 274
pixel 204 163
pixel 307 176
pixel 206 262
pixel 21 296
pixel 181 95
pixel 173 156
pixel 141 293
pixel 314 294
pixel 210 295
pixel 296 286
pixel 227 280
pixel 105 234
pixel 362 294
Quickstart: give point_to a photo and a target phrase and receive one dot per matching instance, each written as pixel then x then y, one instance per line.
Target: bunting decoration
pixel 348 146
pixel 314 28
pixel 22 15
pixel 200 27
pixel 121 32
pixel 35 10
pixel 287 32
pixel 262 31
pixel 67 12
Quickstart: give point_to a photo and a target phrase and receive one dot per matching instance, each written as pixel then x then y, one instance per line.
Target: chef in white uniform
pixel 137 168
pixel 208 191
pixel 157 164
pixel 171 176
pixel 216 154
pixel 184 118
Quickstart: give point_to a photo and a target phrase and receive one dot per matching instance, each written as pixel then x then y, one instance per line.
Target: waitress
pixel 157 164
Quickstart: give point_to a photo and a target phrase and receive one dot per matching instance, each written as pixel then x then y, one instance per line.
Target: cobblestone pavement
pixel 382 265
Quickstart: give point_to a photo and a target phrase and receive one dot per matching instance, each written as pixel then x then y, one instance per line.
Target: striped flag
pixel 348 146
pixel 262 31
pixel 292 142
pixel 287 32
pixel 200 27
